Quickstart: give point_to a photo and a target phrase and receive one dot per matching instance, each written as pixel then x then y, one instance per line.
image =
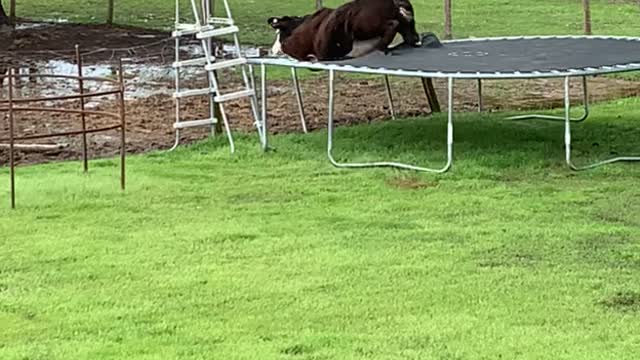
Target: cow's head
pixel 407 28
pixel 284 27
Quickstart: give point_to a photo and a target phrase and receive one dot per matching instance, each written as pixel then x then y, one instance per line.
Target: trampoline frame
pixel 450 76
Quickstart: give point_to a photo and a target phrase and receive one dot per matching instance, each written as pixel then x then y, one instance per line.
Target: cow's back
pixel 369 17
pixel 300 44
pixel 359 21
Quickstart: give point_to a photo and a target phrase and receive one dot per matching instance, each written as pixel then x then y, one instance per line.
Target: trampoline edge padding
pixel 498 57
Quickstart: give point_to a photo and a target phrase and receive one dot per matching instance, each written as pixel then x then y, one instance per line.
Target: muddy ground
pixel 151 113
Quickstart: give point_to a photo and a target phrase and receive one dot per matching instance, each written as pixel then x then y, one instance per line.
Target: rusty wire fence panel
pixel 13 105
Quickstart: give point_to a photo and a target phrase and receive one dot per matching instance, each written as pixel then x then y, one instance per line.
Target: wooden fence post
pixel 12 11
pixel 4 20
pixel 110 12
pixel 447 20
pixel 587 16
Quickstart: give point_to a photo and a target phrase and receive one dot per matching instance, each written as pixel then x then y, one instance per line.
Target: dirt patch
pixel 150 117
pixel 623 301
pixel 410 183
pixel 45 41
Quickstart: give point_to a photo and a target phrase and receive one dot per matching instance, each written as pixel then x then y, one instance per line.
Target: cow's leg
pixel 332 46
pixel 361 48
pixel 390 31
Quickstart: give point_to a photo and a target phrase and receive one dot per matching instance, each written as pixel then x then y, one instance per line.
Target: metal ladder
pixel 206 27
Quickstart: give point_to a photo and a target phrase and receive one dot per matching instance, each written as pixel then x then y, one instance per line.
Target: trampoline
pixel 483 58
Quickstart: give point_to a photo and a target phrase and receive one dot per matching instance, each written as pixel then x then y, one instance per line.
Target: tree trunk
pixel 318 4
pixel 12 11
pixel 4 19
pixel 110 12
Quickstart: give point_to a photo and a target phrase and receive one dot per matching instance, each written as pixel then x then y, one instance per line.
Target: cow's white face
pixel 276 48
pixel 406 14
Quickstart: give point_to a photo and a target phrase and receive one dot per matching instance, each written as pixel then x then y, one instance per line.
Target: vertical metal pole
pixel 587 16
pixel 123 149
pixel 177 76
pixel 330 114
pixel 263 90
pixel 196 15
pixel 177 21
pixel 85 161
pixel 447 20
pixel 255 101
pixel 227 9
pixel 450 125
pixel 213 83
pixel 205 12
pixel 252 78
pixel 245 77
pixel 296 87
pixel 12 168
pixel 567 122
pixel 480 101
pixel 387 86
pixel 206 15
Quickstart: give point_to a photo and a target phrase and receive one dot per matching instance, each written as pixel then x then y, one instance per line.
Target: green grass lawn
pixel 209 255
pixel 471 17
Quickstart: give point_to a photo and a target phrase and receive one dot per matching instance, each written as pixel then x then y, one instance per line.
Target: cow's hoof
pixel 312 59
pixel 430 40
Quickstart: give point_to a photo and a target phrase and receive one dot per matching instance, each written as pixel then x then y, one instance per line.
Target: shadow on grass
pixel 483 143
pixel 485 140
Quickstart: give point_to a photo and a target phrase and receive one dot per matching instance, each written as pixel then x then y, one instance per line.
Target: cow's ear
pixel 274 22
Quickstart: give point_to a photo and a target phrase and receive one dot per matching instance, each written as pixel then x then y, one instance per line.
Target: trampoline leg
pixel 252 79
pixel 430 93
pixel 254 102
pixel 296 88
pixel 585 94
pixel 330 130
pixel 176 141
pixel 387 86
pixel 263 103
pixel 480 101
pixel 567 138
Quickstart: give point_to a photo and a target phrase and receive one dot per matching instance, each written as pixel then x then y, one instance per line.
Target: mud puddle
pixel 143 78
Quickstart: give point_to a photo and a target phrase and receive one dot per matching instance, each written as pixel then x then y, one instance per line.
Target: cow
pixel 352 30
pixel 294 34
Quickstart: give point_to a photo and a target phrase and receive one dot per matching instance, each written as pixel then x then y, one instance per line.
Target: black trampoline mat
pixel 507 56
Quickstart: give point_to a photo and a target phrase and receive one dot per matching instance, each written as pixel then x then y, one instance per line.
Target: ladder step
pixel 217 32
pixel 226 64
pixel 195 92
pixel 234 95
pixel 184 26
pixel 194 123
pixel 191 62
pixel 190 29
pixel 221 20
